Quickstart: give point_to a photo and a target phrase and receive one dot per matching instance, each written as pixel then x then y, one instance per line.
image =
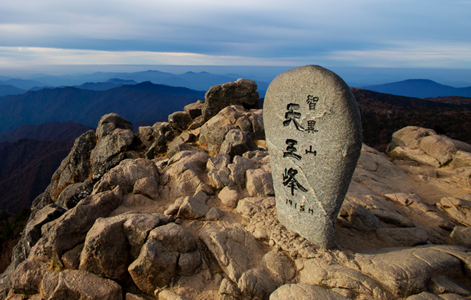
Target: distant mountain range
pixel 197 81
pixel 419 88
pixel 99 81
pixel 23 84
pixel 201 81
pixel 141 103
pixel 10 90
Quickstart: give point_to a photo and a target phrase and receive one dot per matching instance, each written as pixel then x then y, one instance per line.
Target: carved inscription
pixel 294 117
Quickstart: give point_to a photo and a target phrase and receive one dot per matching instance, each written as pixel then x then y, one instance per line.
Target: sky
pixel 336 33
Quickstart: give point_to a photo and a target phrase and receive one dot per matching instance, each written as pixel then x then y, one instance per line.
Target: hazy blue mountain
pixel 78 79
pixel 419 88
pixel 121 81
pixel 136 103
pixel 10 90
pixel 198 81
pixel 38 88
pixel 102 86
pixel 52 131
pixel 24 84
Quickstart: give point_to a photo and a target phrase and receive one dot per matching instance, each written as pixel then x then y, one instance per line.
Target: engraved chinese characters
pixel 313 134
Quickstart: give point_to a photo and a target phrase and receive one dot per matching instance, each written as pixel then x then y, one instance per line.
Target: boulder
pixel 461 159
pixel 109 122
pixel 71 259
pixel 174 237
pixel 280 265
pixel 181 144
pixel 214 214
pixel 183 175
pixel 194 109
pixel 228 290
pixel 179 120
pixel 238 169
pixel 115 137
pixel 237 142
pixel 439 147
pixel 218 172
pixel 303 291
pixel 154 267
pixel 137 227
pixel 78 285
pixel 146 135
pixel 462 236
pixel 241 92
pixel 256 284
pixel 259 183
pixel 229 196
pixel 32 232
pixel 422 145
pixel 75 168
pixel 234 248
pixel 169 250
pixel 127 174
pixel 71 228
pixel 73 193
pixel 192 208
pixel 213 132
pixel 106 250
pixel 27 277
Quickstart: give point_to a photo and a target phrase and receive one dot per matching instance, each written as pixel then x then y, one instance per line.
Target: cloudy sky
pixel 358 33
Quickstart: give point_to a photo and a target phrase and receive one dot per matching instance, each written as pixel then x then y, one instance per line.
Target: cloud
pixel 243 30
pixel 408 54
pixel 11 57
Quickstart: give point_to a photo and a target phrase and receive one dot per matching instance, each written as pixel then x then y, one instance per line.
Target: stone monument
pixel 313 133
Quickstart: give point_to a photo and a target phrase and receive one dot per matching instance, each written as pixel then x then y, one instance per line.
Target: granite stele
pixel 313 133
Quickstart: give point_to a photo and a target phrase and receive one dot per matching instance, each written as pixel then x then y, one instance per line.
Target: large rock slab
pixel 27 277
pixel 234 248
pixel 408 271
pixel 422 145
pixel 317 271
pixel 303 291
pixel 78 285
pixel 313 132
pixel 458 209
pixel 169 250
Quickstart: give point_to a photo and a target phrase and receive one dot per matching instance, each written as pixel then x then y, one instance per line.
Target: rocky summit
pixel 186 209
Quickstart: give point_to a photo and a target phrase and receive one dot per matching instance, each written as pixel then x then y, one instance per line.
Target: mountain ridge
pixel 419 88
pixel 144 101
